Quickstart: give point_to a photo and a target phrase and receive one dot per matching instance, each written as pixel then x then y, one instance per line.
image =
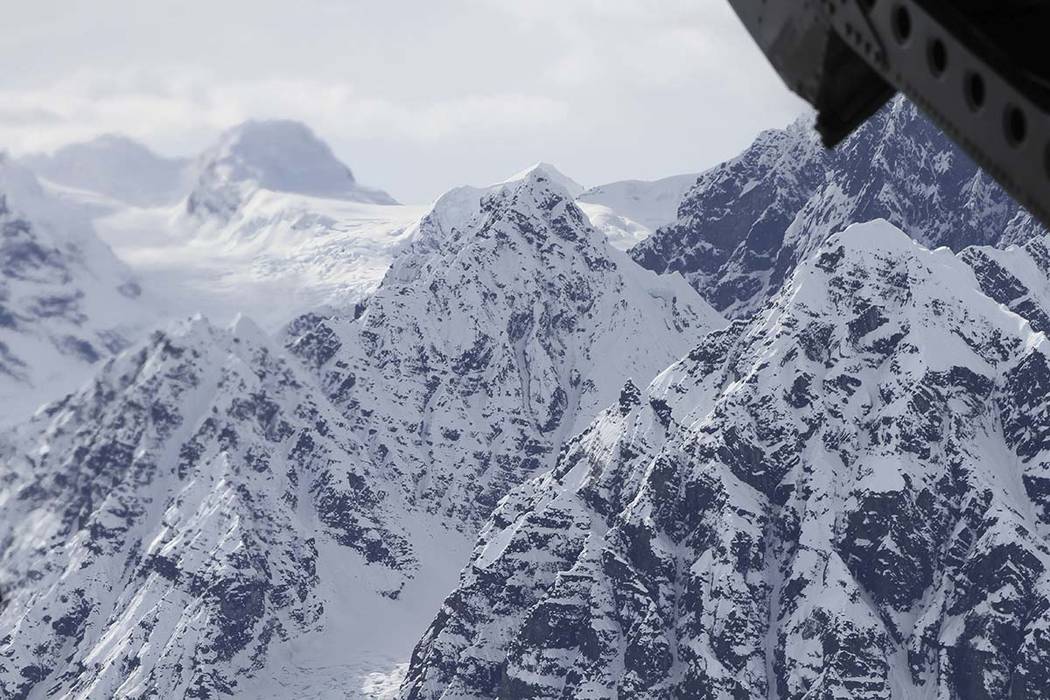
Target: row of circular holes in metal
pixel 1015 123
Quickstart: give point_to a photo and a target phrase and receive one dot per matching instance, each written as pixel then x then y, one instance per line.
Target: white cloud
pixel 647 44
pixel 154 106
pixel 650 12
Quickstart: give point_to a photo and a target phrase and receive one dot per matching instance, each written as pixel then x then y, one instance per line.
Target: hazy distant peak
pixel 278 155
pixel 116 166
pixel 278 147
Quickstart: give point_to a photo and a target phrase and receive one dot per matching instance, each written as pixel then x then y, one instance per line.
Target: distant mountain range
pixel 115 167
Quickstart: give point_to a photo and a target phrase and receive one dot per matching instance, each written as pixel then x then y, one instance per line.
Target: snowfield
pixel 281 256
pixel 629 212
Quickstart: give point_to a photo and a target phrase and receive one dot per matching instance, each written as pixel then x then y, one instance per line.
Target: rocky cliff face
pixel 845 496
pixel 748 222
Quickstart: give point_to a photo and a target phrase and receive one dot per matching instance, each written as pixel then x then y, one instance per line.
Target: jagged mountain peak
pixel 282 155
pixel 510 288
pixel 277 155
pixel 552 173
pixel 537 192
pixel 533 191
pixel 881 289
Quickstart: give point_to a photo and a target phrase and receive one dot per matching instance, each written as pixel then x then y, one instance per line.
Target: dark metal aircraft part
pixel 979 68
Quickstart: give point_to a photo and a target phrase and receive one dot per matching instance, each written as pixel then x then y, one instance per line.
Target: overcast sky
pixel 415 95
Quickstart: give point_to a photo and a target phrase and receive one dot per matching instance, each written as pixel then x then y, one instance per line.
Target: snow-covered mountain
pixel 279 156
pixel 845 496
pixel 65 301
pixel 630 211
pixel 214 514
pixel 748 222
pixel 116 167
pixel 506 326
pixel 844 493
pixel 273 225
pixel 268 222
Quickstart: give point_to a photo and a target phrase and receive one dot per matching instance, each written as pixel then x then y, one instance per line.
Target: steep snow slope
pixel 116 167
pixel 628 212
pixel 748 222
pixel 1018 276
pixel 846 496
pixel 65 300
pixel 211 516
